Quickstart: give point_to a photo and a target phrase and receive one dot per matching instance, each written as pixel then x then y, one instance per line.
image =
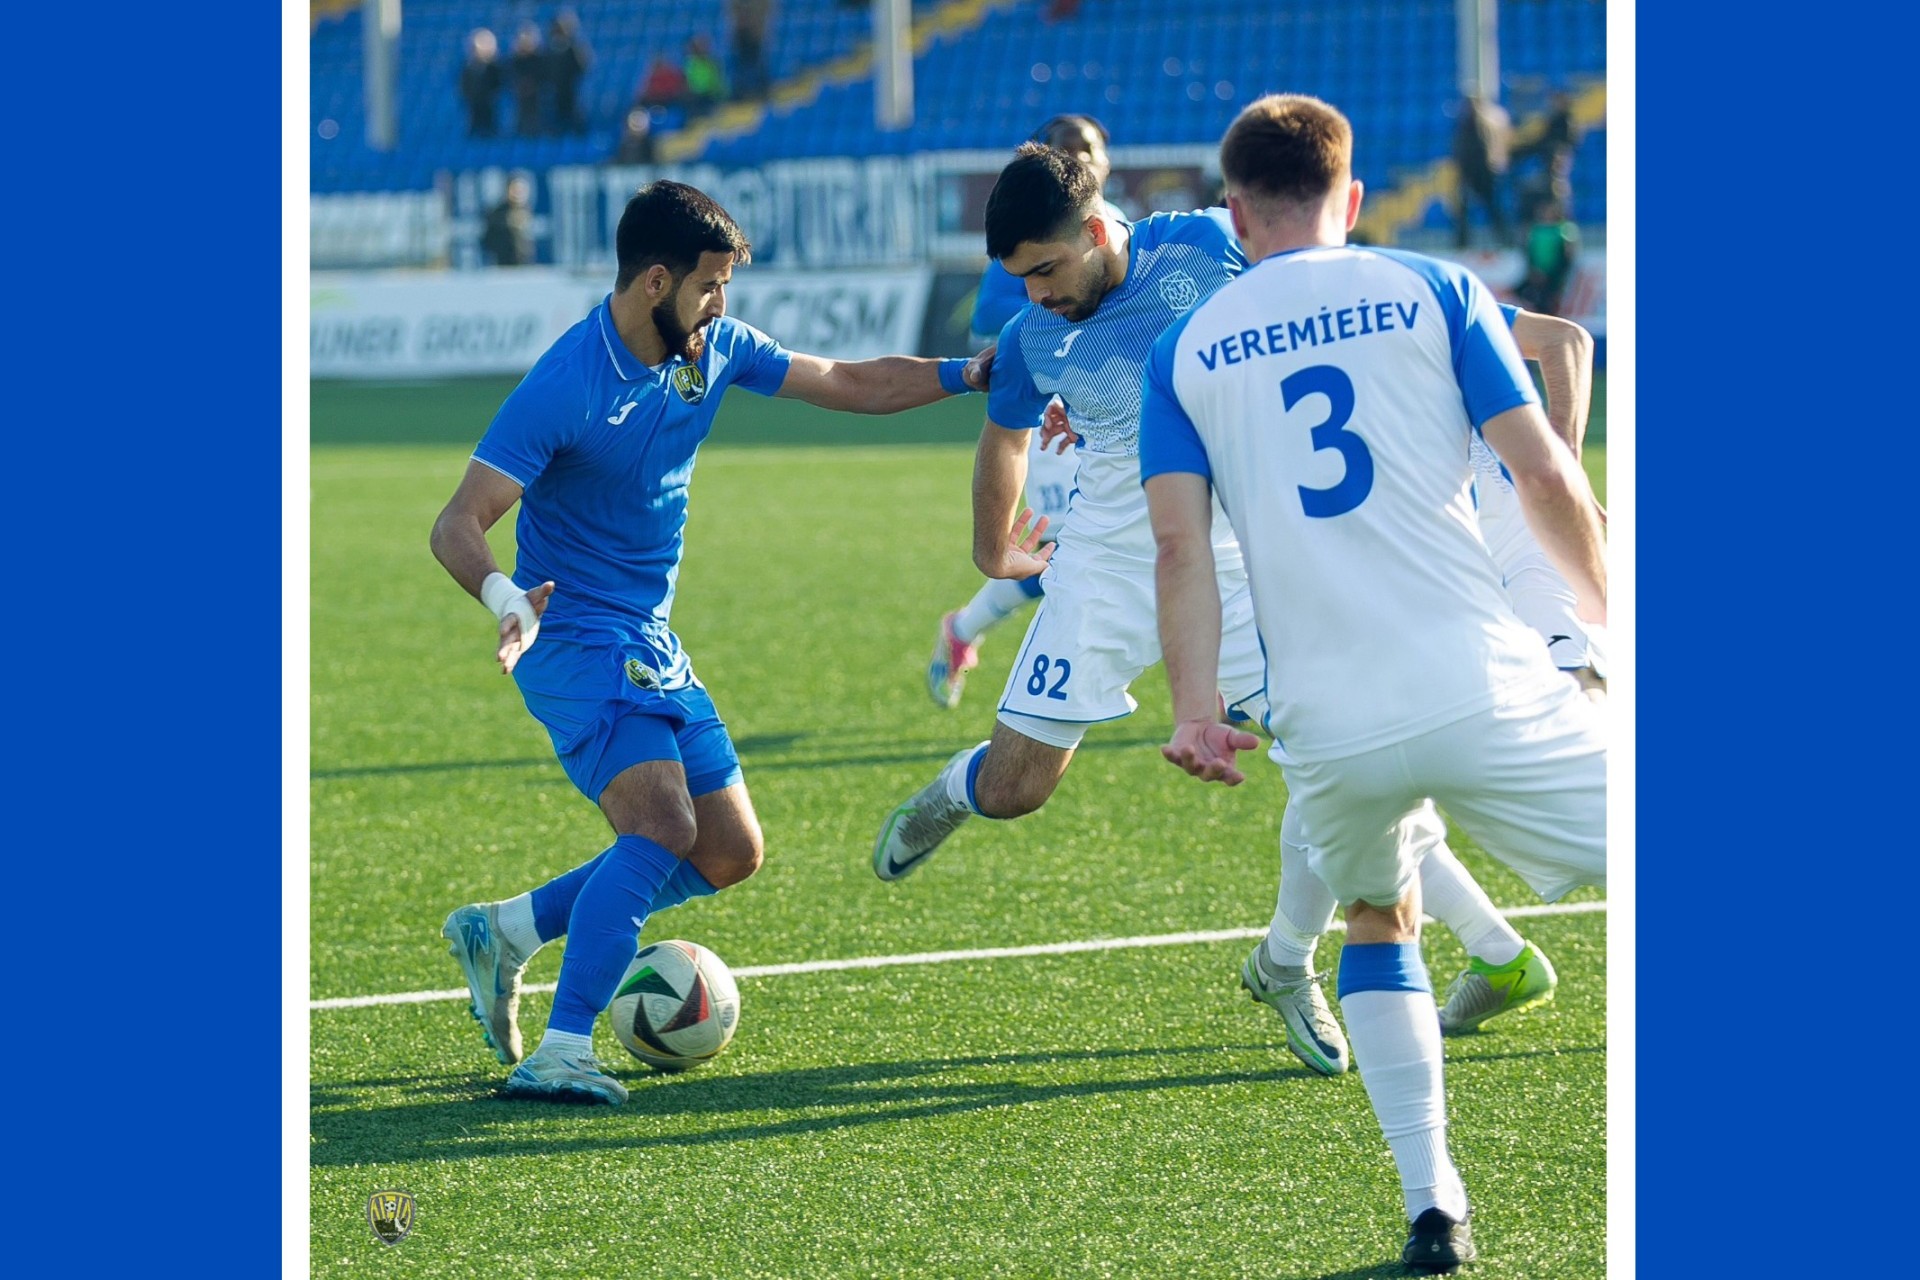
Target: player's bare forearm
pixel 1564 352
pixel 999 478
pixel 1186 593
pixel 459 537
pixel 884 384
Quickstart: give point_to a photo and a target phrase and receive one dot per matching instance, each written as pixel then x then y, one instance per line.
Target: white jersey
pixel 1330 394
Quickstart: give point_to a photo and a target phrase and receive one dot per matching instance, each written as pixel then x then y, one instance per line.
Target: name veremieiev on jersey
pixel 1329 326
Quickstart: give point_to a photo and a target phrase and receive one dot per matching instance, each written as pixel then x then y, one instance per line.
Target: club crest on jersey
pixel 1180 291
pixel 640 675
pixel 690 383
pixel 390 1214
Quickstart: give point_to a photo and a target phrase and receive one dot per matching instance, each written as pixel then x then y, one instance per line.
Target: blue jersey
pixel 603 447
pixel 1174 260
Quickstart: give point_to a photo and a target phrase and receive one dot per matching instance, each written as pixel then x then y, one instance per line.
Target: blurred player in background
pixel 597 444
pixel 1050 467
pixel 1324 398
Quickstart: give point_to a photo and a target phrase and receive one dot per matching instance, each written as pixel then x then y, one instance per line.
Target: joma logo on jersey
pixel 620 415
pixel 690 383
pixel 640 675
pixel 390 1214
pixel 1180 291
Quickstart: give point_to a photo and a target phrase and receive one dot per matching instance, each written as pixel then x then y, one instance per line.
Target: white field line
pixel 938 957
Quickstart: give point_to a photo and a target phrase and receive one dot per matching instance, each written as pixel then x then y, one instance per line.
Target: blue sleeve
pixel 539 417
pixel 1509 313
pixel 1168 439
pixel 1012 399
pixel 1493 374
pixel 999 299
pixel 755 361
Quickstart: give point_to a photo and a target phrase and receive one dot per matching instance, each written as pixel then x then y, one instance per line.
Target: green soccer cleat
pixel 492 968
pixel 1486 991
pixel 553 1076
pixel 1312 1033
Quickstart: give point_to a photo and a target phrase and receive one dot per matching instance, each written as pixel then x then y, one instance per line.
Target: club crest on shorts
pixel 640 675
pixel 390 1213
pixel 691 383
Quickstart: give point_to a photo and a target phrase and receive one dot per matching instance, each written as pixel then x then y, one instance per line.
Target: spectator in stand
pixel 568 57
pixel 507 240
pixel 665 85
pixel 481 80
pixel 748 35
pixel 1552 244
pixel 637 143
pixel 706 81
pixel 527 72
pixel 1558 139
pixel 1482 151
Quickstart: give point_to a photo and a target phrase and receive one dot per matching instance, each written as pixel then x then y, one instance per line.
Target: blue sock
pixel 607 917
pixel 686 882
pixel 553 901
pixel 1382 966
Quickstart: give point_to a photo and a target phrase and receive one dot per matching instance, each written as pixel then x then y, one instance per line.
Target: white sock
pixel 955 776
pixel 1456 900
pixel 1305 906
pixel 572 1044
pixel 516 924
pixel 1395 1039
pixel 995 601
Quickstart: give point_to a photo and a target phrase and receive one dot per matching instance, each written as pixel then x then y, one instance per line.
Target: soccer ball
pixel 676 1007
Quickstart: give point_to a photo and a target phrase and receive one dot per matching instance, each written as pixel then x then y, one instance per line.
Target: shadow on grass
pixel 462 1117
pixel 747 747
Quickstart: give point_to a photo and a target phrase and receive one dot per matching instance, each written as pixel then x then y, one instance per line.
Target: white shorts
pixel 1528 783
pixel 1050 485
pixel 1096 630
pixel 1538 593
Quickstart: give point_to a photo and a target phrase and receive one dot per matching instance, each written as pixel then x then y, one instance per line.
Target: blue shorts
pixel 602 722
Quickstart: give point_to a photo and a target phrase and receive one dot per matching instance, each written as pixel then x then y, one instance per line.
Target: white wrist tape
pixel 500 595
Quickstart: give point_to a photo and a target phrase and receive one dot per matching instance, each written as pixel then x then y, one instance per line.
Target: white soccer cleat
pixel 560 1077
pixel 493 969
pixel 915 829
pixel 1312 1033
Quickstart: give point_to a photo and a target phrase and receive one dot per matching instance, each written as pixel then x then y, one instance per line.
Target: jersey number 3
pixel 1332 433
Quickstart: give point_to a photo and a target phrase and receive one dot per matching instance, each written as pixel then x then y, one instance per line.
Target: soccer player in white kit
pixel 1326 398
pixel 1050 467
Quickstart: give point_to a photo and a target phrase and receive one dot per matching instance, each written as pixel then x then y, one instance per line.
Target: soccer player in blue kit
pixel 597 445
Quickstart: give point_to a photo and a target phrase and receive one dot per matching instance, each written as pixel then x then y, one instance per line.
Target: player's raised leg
pixel 1007 776
pixel 956 649
pixel 1505 973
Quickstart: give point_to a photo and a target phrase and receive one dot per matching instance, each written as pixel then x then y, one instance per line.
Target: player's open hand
pixel 1206 748
pixel 979 370
pixel 1054 429
pixel 1025 555
pixel 516 639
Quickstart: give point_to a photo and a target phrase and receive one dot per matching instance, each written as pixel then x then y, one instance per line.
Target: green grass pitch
pixel 1122 1113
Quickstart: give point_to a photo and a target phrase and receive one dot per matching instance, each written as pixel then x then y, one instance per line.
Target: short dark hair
pixel 1038 197
pixel 672 224
pixel 1287 147
pixel 1054 124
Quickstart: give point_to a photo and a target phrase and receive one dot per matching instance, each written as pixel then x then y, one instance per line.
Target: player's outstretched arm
pixel 1003 544
pixel 1564 352
pixel 459 542
pixel 884 384
pixel 1557 501
pixel 1187 598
